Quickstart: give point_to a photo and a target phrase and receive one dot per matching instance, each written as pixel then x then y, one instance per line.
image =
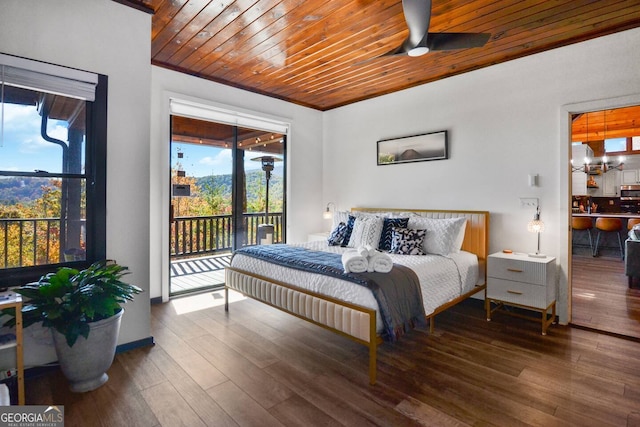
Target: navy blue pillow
pixel 337 235
pixel 347 236
pixel 387 231
pixel 407 241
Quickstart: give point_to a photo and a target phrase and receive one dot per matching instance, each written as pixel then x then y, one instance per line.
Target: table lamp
pixel 536 226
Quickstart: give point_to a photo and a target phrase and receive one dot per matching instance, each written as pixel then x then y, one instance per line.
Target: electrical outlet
pixel 528 202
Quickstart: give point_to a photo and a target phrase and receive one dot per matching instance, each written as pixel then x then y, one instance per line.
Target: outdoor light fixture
pixel 267 166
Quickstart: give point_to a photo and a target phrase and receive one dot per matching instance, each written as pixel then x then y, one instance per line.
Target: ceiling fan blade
pixel 417 14
pixel 450 41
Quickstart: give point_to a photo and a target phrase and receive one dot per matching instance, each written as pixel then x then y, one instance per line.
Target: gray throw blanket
pixel 397 292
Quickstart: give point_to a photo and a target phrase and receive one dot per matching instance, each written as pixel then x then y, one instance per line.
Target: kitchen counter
pixel 607 215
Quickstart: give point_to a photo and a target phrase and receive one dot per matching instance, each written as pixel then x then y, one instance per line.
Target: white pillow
pixel 338 217
pixel 343 216
pixel 444 235
pixel 366 231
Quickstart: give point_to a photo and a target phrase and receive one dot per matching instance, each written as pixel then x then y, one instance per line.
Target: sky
pixel 21 146
pixel 23 149
pixel 201 160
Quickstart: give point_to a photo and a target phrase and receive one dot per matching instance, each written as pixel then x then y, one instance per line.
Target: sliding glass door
pixel 227 187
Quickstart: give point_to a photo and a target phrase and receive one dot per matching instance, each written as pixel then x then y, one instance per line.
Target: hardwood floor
pixel 601 298
pixel 256 366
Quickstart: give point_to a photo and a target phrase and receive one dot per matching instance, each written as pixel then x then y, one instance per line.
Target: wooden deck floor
pixel 256 366
pixel 193 274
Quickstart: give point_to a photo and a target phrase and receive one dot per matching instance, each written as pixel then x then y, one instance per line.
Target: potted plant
pixel 83 310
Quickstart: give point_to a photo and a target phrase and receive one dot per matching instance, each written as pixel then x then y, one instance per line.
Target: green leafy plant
pixel 69 299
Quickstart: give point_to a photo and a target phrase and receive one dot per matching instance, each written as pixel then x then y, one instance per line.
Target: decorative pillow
pixel 634 233
pixel 343 216
pixel 387 229
pixel 340 216
pixel 347 236
pixel 407 241
pixel 336 238
pixel 444 235
pixel 366 231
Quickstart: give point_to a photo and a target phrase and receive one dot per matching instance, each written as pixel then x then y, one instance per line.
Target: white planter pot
pixel 85 364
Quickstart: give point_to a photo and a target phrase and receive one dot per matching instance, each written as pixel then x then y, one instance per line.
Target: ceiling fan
pixel 417 13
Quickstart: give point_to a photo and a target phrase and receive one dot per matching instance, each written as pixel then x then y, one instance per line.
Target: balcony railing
pixel 36 241
pixel 27 242
pixel 202 235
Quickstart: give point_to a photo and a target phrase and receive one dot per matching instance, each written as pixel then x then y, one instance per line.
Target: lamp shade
pixel 328 213
pixel 535 226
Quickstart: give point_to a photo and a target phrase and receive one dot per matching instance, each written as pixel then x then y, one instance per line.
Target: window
pixel 615 145
pixel 52 168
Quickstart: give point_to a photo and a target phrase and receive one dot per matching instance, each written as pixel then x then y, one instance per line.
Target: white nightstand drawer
pixel 517 270
pixel 519 293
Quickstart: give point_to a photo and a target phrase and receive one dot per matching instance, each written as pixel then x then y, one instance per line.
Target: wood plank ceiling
pixel 318 53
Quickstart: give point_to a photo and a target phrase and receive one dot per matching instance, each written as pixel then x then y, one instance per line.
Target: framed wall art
pixel 416 148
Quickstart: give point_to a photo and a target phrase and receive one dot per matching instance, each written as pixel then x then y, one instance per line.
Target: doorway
pixel 605 153
pixel 227 186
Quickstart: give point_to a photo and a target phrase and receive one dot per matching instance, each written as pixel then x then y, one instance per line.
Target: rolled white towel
pixel 362 251
pixel 353 262
pixel 371 250
pixel 380 262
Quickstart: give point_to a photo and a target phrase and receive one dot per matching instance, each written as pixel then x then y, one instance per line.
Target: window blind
pixel 40 76
pixel 195 110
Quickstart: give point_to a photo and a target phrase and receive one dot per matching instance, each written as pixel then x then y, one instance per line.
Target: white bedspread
pixel 442 279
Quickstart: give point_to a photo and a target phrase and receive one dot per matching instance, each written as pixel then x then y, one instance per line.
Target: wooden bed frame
pixel 350 320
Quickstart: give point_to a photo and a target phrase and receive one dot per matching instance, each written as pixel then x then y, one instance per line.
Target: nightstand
pixel 519 280
pixel 323 235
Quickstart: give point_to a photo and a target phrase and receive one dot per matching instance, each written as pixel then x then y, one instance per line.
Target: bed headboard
pixel 476 236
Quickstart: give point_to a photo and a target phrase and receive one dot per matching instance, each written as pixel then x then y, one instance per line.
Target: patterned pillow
pixel 366 231
pixel 337 235
pixel 444 235
pixel 340 216
pixel 407 241
pixel 350 222
pixel 387 228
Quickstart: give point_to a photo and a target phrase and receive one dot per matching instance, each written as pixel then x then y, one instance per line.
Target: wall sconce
pixel 536 226
pixel 328 213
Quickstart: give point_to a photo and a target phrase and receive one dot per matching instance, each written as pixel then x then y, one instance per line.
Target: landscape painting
pixel 416 148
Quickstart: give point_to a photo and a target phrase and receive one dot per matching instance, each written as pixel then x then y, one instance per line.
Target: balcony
pixel 200 247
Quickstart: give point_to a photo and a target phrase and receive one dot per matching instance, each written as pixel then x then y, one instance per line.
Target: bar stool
pixel 582 223
pixel 632 222
pixel 609 225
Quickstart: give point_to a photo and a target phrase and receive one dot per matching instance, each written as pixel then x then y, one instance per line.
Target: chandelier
pixel 604 164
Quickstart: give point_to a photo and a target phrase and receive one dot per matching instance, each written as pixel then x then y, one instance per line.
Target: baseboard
pixel 156 300
pixel 135 344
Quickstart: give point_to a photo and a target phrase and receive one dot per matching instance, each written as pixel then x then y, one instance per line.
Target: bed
pixel 350 310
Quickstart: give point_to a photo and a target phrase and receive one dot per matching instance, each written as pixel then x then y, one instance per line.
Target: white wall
pixel 105 37
pixel 504 122
pixel 304 157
